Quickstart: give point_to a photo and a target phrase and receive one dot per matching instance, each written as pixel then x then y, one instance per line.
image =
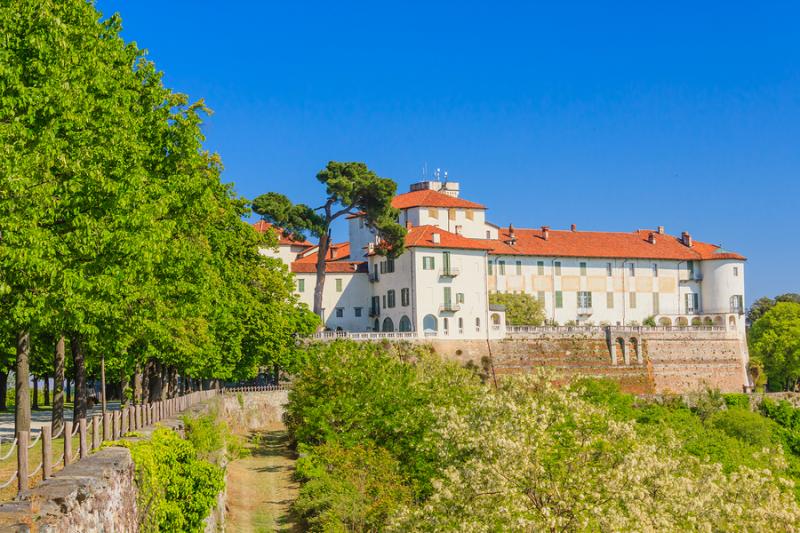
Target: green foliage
pixel 737 400
pixel 745 425
pixel 521 309
pixel 348 489
pixel 210 436
pixel 176 489
pixel 775 342
pixel 649 321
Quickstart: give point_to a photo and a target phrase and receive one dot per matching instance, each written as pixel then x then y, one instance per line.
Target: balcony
pixel 373 277
pixel 449 307
pixel 584 310
pixel 374 313
pixel 449 272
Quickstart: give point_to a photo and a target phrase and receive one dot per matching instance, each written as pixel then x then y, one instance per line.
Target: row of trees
pixel 119 244
pixel 774 342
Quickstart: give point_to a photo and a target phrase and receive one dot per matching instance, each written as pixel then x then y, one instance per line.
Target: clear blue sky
pixel 613 117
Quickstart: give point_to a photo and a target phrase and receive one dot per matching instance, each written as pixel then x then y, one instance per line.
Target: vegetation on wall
pixel 522 309
pixel 527 455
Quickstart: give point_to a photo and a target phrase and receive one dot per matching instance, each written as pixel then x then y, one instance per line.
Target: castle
pixel 597 288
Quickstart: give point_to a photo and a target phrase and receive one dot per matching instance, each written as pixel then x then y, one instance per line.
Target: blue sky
pixel 613 117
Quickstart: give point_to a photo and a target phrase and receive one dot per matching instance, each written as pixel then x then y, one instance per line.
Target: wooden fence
pixel 110 425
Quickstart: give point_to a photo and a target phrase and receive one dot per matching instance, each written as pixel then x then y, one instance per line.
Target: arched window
pixel 405 324
pixel 696 321
pixel 495 319
pixel 388 325
pixel 719 321
pixel 732 322
pixel 635 346
pixel 430 324
pixel 377 325
pixel 478 324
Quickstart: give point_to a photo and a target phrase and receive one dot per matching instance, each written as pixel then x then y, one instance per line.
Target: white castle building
pixel 455 258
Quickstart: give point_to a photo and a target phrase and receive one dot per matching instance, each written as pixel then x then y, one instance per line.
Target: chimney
pixel 545 232
pixel 436 238
pixel 573 228
pixel 512 236
pixel 661 230
pixel 686 238
pixel 651 238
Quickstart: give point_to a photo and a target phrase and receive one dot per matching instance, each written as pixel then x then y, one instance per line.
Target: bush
pixel 348 489
pixel 176 490
pixel 210 436
pixel 745 425
pixel 737 400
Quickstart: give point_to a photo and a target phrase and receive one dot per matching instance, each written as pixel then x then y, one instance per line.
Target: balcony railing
pixel 374 277
pixel 585 310
pixel 374 313
pixel 449 307
pixel 449 272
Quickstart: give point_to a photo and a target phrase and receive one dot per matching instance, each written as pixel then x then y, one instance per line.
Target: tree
pixel 521 309
pixel 764 304
pixel 351 188
pixel 775 342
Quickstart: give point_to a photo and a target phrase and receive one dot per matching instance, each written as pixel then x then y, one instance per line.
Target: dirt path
pixel 260 487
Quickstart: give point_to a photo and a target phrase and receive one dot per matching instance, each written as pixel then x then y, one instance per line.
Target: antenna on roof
pixel 437 173
pixel 425 170
pixel 445 176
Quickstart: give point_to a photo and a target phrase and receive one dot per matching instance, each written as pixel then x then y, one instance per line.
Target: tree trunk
pixel 137 385
pixel 164 392
pixel 68 390
pixel 322 254
pixel 35 393
pixel 46 396
pixel 79 362
pixel 58 386
pixel 22 407
pixel 103 383
pixel 155 381
pixel 3 390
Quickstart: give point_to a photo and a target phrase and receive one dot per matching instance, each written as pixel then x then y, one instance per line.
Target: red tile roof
pixel 604 244
pixel 336 252
pixel 262 226
pixel 331 267
pixel 422 236
pixel 431 198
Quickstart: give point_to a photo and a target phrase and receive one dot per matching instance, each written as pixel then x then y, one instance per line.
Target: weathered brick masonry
pixel 642 362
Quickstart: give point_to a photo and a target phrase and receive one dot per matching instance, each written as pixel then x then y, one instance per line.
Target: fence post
pixel 137 419
pixel 47 452
pixel 67 442
pixel 82 431
pixel 116 424
pixel 22 461
pixel 106 426
pixel 95 432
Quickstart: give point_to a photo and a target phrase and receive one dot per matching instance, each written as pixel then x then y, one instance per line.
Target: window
pixel 559 300
pixel 446 324
pixel 735 272
pixel 375 308
pixel 557 267
pixel 469 214
pixel 433 213
pixel 390 298
pixel 583 268
pixel 632 298
pixel 446 262
pixel 339 312
pixel 519 267
pixel 584 299
pixel 357 311
pixel 405 297
pixel 609 269
pixel 491 267
pixel 737 304
pixel 447 297
pixel 540 296
pixel 389 265
pixel 460 325
pixel 610 300
pixel 690 267
pixel 655 270
pixel 338 284
pixel 384 301
pixel 488 234
pixel 501 268
pixel 301 285
pixel 459 297
pixel 540 267
pixel 451 214
pixel 656 303
pixel 478 325
pixel 692 302
pixel 632 269
pixel 428 262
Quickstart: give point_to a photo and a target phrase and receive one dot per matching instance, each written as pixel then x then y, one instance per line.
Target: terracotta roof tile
pixel 604 244
pixel 336 252
pixel 262 226
pixel 431 198
pixel 422 236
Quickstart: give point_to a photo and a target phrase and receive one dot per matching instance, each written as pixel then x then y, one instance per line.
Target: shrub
pixel 649 321
pixel 176 490
pixel 737 400
pixel 210 436
pixel 349 489
pixel 746 426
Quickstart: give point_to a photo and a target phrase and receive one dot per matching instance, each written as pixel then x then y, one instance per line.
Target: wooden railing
pixel 110 425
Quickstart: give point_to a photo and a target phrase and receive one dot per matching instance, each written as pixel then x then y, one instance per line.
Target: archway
pixel 430 324
pixel 388 325
pixel 664 321
pixel 377 325
pixel 708 321
pixel 682 321
pixel 636 349
pixel 622 349
pixel 719 321
pixel 732 322
pixel 405 324
pixel 697 321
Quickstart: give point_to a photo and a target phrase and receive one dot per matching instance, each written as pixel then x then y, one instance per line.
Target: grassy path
pixel 260 487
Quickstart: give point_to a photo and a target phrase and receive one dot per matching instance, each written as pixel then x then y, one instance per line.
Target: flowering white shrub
pixel 532 457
